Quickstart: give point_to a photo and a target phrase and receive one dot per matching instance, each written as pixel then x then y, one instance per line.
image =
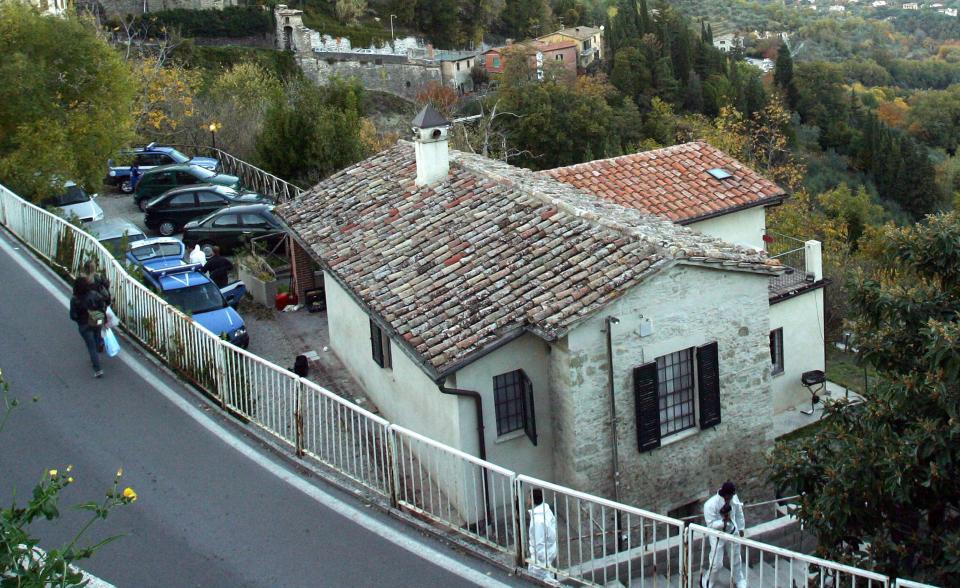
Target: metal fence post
pixel 392 467
pixel 298 416
pixel 686 556
pixel 518 521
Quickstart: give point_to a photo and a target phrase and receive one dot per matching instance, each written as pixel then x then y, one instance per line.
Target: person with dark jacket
pixel 218 268
pixel 86 299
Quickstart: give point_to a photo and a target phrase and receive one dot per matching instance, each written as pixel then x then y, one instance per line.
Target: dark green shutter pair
pixel 647 398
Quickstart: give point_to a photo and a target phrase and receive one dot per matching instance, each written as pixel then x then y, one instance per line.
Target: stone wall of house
pixel 689 306
pixel 374 72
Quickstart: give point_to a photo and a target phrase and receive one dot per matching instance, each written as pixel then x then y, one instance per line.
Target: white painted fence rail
pixel 770 566
pixel 599 541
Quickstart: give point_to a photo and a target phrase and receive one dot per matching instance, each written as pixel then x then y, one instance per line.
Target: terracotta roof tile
pixel 520 250
pixel 672 182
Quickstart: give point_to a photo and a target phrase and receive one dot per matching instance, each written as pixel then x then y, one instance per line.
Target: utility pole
pixel 392 16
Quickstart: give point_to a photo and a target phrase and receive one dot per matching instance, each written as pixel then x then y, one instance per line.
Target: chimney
pixel 430 141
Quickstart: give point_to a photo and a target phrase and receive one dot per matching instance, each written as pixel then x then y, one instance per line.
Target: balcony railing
pixel 792 254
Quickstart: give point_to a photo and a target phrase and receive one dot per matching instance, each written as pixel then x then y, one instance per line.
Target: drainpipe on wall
pixel 481 444
pixel 612 320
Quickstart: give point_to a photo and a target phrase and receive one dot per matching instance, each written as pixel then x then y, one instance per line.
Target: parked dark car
pixel 167 177
pixel 230 227
pixel 146 158
pixel 168 212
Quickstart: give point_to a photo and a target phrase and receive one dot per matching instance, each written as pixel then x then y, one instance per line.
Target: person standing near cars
pixel 88 310
pixel 218 268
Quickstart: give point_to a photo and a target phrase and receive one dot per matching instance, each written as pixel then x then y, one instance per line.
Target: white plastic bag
pixel 112 321
pixel 110 343
pixel 197 256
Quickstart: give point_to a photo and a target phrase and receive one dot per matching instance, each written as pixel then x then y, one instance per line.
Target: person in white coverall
pixel 724 512
pixel 542 536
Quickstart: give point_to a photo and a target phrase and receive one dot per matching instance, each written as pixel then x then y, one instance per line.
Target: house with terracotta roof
pixel 699 186
pixel 560 56
pixel 589 42
pixel 542 327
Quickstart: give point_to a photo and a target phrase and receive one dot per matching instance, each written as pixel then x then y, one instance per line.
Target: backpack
pixel 96 318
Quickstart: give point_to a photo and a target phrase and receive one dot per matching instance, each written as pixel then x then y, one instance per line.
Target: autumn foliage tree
pixel 65 101
pixel 880 482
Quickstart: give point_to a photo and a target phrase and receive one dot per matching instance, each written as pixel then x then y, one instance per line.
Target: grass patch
pixel 810 430
pixel 843 369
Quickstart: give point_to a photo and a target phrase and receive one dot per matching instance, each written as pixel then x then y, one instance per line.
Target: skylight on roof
pixel 719 173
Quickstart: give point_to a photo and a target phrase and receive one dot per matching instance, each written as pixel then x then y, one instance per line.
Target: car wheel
pixel 143 205
pixel 167 228
pixel 126 187
pixel 207 248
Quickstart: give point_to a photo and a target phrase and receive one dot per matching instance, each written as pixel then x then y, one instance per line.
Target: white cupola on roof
pixel 430 141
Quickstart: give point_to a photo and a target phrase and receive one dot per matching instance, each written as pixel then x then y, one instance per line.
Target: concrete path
pixel 214 509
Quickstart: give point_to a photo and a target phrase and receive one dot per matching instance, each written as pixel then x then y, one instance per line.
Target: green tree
pixel 934 117
pixel 238 99
pixel 311 132
pixel 630 73
pixel 886 474
pixel 65 101
pixel 783 75
pixel 823 101
pixel 524 19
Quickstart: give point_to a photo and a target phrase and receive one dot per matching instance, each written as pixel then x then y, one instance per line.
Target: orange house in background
pixel 562 54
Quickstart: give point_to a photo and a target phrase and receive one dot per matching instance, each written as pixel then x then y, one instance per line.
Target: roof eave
pixel 401 342
pixel 768 201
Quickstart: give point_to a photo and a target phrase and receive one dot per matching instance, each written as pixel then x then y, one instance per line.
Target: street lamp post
pixel 392 16
pixel 213 127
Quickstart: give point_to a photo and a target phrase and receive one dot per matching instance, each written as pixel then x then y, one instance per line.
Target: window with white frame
pixel 676 392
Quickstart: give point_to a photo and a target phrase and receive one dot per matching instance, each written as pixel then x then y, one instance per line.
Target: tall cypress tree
pixel 783 74
pixel 646 26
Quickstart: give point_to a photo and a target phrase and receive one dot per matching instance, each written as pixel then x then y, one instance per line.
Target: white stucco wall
pixel 514 450
pixel 404 394
pixel 801 319
pixel 744 227
pixel 733 311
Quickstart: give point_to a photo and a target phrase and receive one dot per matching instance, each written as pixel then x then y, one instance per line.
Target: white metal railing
pixel 767 565
pixel 461 492
pixel 901 583
pixel 601 542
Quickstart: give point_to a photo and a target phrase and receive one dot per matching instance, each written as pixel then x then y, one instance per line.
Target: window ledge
pixel 510 436
pixel 679 437
pixel 778 374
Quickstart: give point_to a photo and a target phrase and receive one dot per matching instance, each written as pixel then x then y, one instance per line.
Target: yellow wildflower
pixel 119 472
pixel 129 494
pixel 69 468
pixel 70 480
pixel 53 473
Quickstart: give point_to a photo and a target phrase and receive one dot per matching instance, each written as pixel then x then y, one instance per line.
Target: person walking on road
pixel 88 310
pixel 724 512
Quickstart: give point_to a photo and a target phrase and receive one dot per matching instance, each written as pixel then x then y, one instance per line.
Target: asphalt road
pixel 213 508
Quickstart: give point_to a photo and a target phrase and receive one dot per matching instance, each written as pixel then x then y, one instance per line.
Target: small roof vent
pixel 719 173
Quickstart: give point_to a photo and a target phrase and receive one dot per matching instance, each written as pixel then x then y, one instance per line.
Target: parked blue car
pixel 182 285
pixel 149 157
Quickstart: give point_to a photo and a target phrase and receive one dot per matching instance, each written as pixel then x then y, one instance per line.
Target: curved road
pixel 213 508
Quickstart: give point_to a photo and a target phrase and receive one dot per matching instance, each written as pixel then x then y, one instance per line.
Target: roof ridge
pixel 669 239
pixel 662 150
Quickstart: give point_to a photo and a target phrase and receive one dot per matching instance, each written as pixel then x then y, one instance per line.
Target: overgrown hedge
pixel 216 59
pixel 233 21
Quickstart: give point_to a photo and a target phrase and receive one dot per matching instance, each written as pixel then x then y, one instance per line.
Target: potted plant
pixel 258 277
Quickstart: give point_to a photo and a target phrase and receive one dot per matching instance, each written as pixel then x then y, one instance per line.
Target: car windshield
pixel 196 299
pixel 178 157
pixel 117 245
pixel 203 173
pixel 73 195
pixel 155 250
